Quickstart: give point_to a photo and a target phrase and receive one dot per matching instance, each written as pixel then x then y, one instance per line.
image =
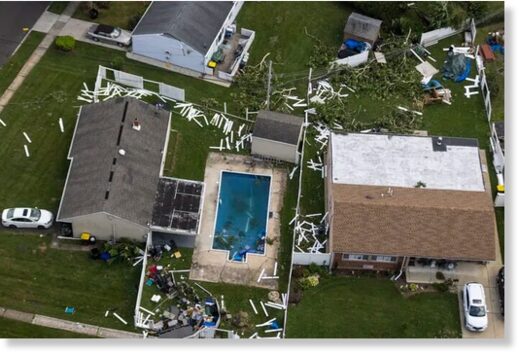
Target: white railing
pixel 236 64
pixel 432 37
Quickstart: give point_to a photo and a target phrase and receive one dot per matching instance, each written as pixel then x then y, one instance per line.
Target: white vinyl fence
pixel 137 81
pixel 432 37
pixel 354 60
pixel 309 258
pixel 485 91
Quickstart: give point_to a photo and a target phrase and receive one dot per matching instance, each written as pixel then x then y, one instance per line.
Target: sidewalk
pixel 55 29
pixel 75 327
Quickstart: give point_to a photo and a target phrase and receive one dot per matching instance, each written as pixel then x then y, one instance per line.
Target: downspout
pixel 404 265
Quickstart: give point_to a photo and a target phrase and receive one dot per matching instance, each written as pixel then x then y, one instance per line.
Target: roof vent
pixel 122 152
pixel 439 141
pixel 136 125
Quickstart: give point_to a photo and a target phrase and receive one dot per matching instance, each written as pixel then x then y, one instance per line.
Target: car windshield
pixel 35 214
pixel 10 213
pixel 477 311
pixel 116 33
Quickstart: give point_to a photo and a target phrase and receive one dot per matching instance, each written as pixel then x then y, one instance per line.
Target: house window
pixel 375 258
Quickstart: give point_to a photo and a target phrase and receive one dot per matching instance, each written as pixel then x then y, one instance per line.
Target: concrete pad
pixel 214 265
pixel 20 316
pixel 65 325
pixel 45 22
pixel 119 334
pixel 79 30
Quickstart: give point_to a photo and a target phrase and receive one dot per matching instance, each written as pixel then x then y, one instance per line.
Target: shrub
pixel 133 21
pixel 441 286
pixel 440 275
pixel 65 43
pixel 310 281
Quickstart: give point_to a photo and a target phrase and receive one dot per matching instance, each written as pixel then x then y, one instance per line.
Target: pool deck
pixel 214 265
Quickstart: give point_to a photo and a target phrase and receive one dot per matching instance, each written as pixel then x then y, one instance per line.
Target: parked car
pixel 110 34
pixel 27 218
pixel 474 307
pixel 501 288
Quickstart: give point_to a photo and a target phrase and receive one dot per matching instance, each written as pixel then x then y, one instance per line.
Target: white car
pixel 27 218
pixel 110 34
pixel 474 307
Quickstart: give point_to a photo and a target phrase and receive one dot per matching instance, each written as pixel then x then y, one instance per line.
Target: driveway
pixel 79 29
pixel 14 17
pixel 496 324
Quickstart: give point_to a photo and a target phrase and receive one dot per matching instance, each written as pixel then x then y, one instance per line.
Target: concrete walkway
pixel 75 327
pixel 35 57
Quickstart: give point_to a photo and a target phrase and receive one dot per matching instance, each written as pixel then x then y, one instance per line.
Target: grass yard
pixel 280 31
pixel 39 279
pixel 118 13
pixel 10 69
pixel 58 7
pixel 15 329
pixel 341 307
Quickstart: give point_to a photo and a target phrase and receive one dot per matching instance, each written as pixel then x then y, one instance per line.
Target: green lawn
pixel 118 13
pixel 280 31
pixel 38 279
pixel 58 7
pixel 10 69
pixel 14 329
pixel 342 307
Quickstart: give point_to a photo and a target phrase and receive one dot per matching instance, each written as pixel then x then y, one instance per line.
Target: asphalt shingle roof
pixel 196 23
pixel 102 180
pixel 457 225
pixel 278 127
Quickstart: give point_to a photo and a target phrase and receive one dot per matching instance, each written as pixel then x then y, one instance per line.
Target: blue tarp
pixel 465 73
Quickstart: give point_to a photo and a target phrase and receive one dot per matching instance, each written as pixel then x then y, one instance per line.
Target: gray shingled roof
pixel 196 23
pixel 94 153
pixel 278 127
pixel 362 27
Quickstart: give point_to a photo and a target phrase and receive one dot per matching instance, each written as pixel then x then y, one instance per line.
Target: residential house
pixel 185 36
pixel 395 201
pixel 114 186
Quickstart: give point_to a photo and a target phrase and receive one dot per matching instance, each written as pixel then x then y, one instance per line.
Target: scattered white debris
pixel 3 123
pixel 253 306
pixel 120 318
pixel 26 150
pixel 60 121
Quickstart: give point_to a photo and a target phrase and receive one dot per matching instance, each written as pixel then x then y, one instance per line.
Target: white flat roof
pixel 403 161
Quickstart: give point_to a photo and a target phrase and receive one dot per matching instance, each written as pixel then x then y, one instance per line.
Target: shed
pixel 277 136
pixel 183 33
pixel 362 28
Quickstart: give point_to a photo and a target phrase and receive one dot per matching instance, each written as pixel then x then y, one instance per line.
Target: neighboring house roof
pixel 196 23
pixel 278 127
pixel 457 225
pixel 404 161
pixel 362 27
pixel 102 180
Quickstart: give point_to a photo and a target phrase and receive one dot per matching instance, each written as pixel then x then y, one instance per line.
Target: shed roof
pixel 278 127
pixel 362 27
pixel 102 180
pixel 196 23
pixel 457 225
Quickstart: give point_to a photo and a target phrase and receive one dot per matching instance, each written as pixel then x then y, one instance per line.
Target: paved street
pixel 14 16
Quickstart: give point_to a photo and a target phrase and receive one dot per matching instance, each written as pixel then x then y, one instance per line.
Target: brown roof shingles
pixel 457 225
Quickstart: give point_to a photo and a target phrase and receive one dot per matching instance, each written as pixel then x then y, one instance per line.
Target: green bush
pixel 440 275
pixel 65 43
pixel 441 287
pixel 133 21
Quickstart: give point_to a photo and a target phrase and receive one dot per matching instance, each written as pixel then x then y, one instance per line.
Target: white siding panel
pixel 281 151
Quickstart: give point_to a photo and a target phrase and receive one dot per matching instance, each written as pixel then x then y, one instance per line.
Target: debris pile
pixel 311 231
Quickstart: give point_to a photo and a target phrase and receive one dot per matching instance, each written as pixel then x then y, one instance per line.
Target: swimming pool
pixel 242 214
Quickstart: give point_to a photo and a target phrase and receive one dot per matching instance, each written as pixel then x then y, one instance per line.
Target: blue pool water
pixel 241 220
